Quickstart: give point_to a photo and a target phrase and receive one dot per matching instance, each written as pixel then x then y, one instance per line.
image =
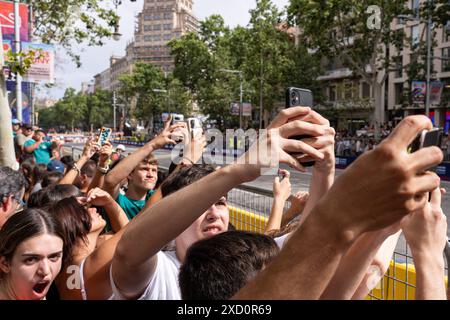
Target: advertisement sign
pixel 7 20
pixel 234 109
pixel 247 109
pixel 43 67
pixel 418 91
pixel 26 100
pixel 436 88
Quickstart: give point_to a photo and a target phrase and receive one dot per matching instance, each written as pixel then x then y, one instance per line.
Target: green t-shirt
pixel 130 206
pixel 43 153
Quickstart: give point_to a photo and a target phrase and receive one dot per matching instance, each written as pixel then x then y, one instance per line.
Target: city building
pixel 349 100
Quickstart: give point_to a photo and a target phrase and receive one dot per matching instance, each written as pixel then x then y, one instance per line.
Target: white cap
pixel 120 147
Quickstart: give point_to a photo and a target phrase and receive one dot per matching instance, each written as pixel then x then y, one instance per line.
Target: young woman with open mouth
pixel 31 250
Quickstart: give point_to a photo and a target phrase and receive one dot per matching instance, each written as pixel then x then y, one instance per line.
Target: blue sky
pixel 96 59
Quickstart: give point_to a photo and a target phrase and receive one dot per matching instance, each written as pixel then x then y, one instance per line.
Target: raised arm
pixel 308 261
pixel 363 265
pixel 102 167
pixel 127 165
pixel 426 233
pixel 150 228
pixel 281 192
pixel 31 147
pixel 88 151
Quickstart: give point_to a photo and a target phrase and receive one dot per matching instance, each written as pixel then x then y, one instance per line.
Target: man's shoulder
pixel 29 142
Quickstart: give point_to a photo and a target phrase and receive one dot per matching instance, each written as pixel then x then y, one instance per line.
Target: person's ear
pixel 7 204
pixel 4 265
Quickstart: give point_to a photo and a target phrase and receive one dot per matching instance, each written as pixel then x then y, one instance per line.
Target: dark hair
pixel 68 162
pixel 162 176
pixel 39 172
pixel 184 177
pixel 12 183
pixel 51 178
pixel 25 225
pixel 89 168
pixel 216 268
pixel 75 222
pixel 51 195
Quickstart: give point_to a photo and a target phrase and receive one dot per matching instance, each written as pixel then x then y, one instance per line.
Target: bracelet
pixel 185 158
pixel 103 170
pixel 75 167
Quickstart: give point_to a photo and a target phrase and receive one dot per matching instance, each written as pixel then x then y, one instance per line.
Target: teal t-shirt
pixel 41 154
pixel 130 206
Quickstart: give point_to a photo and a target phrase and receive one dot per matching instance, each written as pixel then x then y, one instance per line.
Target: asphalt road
pixel 300 182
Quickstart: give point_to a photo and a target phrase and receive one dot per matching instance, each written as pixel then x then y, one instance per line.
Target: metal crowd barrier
pixel 249 210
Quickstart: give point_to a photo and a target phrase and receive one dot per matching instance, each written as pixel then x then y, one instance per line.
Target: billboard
pixel 234 108
pixel 247 109
pixel 7 20
pixel 436 88
pixel 26 100
pixel 418 92
pixel 43 67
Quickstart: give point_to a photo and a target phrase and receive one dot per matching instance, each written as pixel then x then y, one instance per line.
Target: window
pixel 168 15
pixel 446 63
pixel 147 17
pixel 167 36
pixel 148 38
pixel 446 32
pixel 398 61
pixel 168 26
pixel 332 93
pixel 147 28
pixel 415 6
pixel 156 16
pixel 157 27
pixel 348 90
pixel 398 93
pixel 366 90
pixel 414 37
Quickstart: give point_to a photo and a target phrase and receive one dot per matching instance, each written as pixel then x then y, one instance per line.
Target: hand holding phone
pixel 105 134
pixel 426 138
pixel 297 97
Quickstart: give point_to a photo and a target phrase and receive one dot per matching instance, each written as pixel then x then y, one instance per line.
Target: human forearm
pixel 72 174
pixel 304 266
pixel 430 284
pixel 32 147
pixel 127 165
pixel 116 216
pixel 320 184
pixel 354 266
pixel 150 228
pixel 274 222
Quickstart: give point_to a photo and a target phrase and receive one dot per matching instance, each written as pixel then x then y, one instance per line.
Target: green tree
pixel 151 93
pixel 358 33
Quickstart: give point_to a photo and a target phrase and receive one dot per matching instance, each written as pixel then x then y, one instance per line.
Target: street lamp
pixel 241 92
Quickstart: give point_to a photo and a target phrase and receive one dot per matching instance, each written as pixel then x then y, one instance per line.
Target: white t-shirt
pixel 164 284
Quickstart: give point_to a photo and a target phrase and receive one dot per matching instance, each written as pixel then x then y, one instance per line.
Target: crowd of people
pixel 110 226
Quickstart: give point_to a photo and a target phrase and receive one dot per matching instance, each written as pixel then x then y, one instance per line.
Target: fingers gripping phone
pixel 296 97
pixel 426 138
pixel 105 134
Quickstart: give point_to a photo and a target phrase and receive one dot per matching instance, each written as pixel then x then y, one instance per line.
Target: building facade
pixel 351 99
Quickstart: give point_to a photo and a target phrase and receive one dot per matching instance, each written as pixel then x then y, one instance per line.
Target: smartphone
pixel 296 97
pixel 426 138
pixel 105 134
pixel 194 126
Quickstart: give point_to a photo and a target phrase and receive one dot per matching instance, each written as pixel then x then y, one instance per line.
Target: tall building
pixel 158 23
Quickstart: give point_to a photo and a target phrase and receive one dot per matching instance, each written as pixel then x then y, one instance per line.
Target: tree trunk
pixel 7 153
pixel 379 106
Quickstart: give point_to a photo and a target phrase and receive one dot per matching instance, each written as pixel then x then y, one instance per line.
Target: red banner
pixel 7 20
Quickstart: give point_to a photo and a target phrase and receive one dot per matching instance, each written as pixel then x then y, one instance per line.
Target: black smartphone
pixel 296 97
pixel 426 138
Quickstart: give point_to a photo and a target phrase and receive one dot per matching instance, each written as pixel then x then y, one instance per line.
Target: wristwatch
pixel 103 170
